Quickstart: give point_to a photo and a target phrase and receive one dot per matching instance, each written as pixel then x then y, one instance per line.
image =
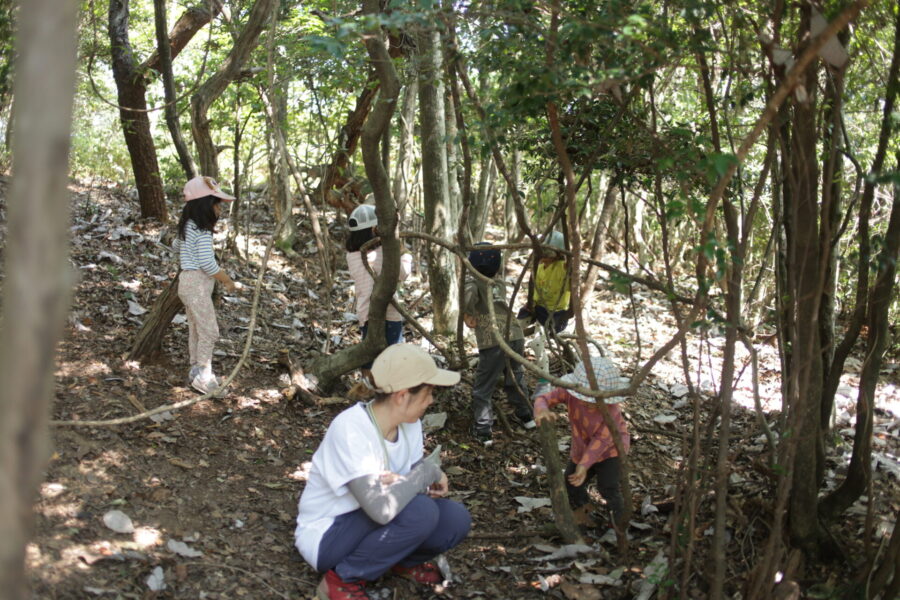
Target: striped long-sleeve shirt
pixel 195 251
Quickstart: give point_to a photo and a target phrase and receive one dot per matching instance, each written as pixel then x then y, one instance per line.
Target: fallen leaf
pixel 182 549
pixel 118 521
pixel 156 581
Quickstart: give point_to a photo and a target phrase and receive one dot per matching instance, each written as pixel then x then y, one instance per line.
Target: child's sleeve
pixel 405 266
pixel 470 297
pixel 549 400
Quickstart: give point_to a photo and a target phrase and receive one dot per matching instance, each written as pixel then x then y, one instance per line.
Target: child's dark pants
pixel 492 366
pixel 607 476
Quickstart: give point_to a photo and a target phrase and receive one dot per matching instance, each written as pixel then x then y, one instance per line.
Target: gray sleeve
pixel 384 502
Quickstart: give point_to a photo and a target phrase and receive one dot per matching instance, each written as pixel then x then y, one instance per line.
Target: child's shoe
pixel 426 573
pixel 206 385
pixel 485 437
pixel 193 373
pixel 527 422
pixel 332 587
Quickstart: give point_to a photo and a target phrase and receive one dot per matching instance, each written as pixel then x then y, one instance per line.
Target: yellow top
pixel 551 286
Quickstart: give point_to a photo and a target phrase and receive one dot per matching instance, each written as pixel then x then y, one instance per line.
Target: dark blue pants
pixel 358 548
pixel 393 334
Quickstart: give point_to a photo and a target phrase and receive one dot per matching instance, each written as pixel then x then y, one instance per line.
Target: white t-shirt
pixel 351 449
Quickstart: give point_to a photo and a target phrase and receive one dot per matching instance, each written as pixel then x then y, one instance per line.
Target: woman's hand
pixel 577 478
pixel 440 488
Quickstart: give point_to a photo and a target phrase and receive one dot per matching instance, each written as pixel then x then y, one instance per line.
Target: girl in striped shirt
pixel 199 272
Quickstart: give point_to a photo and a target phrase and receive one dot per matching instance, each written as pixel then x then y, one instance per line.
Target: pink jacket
pixel 592 441
pixel 364 283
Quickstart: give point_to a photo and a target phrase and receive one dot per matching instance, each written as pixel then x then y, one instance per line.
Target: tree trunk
pixel 279 183
pixel 165 67
pixel 328 368
pixel 132 89
pixel 879 301
pixel 279 171
pixel 860 470
pixel 213 87
pixel 805 292
pixel 38 275
pixel 405 150
pixel 147 344
pixel 832 185
pixel 556 484
pixel 439 217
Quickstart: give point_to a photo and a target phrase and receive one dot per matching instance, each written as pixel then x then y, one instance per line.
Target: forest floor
pixel 212 489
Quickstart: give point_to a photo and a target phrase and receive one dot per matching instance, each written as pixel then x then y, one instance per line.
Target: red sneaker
pixel 426 573
pixel 333 587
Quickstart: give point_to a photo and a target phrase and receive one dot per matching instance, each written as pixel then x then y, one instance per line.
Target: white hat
pixel 202 186
pixel 404 366
pixel 556 240
pixel 607 375
pixel 362 217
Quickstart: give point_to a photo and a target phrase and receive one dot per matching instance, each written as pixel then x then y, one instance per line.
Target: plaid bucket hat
pixel 608 378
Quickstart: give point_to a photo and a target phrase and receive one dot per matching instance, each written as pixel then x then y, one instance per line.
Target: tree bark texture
pixel 805 291
pixel 213 87
pixel 405 148
pixel 147 344
pixel 562 511
pixel 878 302
pixel 329 368
pixel 38 276
pixel 132 89
pixel 164 50
pixel 440 220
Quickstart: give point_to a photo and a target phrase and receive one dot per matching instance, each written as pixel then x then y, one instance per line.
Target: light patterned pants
pixel 195 290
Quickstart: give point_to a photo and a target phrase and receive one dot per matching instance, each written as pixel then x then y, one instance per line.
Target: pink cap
pixel 202 186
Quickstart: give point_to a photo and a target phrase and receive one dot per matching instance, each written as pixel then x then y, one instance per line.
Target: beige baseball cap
pixel 202 186
pixel 404 366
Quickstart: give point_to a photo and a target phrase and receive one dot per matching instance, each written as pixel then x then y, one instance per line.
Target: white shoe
pixel 206 386
pixel 530 424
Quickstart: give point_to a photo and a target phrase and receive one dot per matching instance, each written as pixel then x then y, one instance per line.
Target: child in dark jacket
pixel 492 362
pixel 593 450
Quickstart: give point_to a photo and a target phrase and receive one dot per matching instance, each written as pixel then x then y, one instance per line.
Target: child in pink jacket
pixel 593 452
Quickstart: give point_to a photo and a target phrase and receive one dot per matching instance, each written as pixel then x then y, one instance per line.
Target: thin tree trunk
pixel 38 275
pixel 165 66
pixel 859 471
pixel 212 88
pixel 832 184
pixel 440 220
pixel 805 291
pixel 590 278
pixel 329 368
pixel 132 90
pixel 279 177
pixel 405 148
